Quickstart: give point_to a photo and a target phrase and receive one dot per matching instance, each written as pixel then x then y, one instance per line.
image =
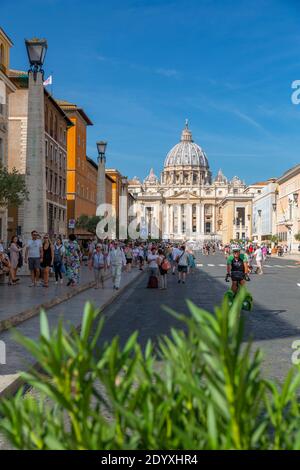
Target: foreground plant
pixel 199 389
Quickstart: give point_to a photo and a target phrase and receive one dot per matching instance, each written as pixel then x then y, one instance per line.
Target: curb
pixel 17 381
pixel 15 320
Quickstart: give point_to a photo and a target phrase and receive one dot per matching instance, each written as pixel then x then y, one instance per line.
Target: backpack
pixel 165 265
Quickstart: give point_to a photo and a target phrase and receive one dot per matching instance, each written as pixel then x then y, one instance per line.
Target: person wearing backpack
pixel 163 266
pixel 58 264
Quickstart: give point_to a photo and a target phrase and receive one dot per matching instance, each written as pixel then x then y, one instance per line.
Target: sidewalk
pixel 24 299
pixel 18 359
pixel 289 256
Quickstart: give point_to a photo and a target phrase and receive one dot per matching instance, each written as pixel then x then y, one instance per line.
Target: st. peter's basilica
pixel 185 203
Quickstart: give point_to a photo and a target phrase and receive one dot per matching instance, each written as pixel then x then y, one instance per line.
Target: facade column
pixel 171 219
pixel 202 229
pixel 179 221
pixel 213 227
pixel 189 220
pixel 198 220
pixel 166 221
pixel 101 196
pixel 35 208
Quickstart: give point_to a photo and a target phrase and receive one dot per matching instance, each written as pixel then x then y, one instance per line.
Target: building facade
pixel 6 88
pixel 81 170
pixel 186 202
pixel 264 212
pixel 119 201
pixel 287 207
pixel 54 136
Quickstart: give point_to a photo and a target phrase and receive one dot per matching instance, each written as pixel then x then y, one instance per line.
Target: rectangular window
pixel 46 148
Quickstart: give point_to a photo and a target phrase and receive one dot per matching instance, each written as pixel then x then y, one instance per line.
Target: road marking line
pixel 210 265
pixel 222 265
pixel 199 265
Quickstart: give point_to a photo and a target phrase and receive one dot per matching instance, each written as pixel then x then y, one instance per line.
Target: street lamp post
pixel 35 209
pixel 101 196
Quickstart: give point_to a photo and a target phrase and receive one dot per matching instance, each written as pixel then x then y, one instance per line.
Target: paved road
pixel 273 324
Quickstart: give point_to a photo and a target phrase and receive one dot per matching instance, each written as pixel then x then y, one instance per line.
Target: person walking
pixel 258 255
pixel 116 259
pixel 14 254
pixel 183 261
pixel 73 259
pixel 152 262
pixel 128 255
pixel 175 253
pixel 33 256
pixel 163 266
pixel 192 264
pixel 98 264
pixel 58 263
pixel 47 259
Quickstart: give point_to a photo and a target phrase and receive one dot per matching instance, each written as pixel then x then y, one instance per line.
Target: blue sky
pixel 140 67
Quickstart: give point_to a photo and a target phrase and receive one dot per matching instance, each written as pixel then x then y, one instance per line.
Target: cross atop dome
pixel 186 135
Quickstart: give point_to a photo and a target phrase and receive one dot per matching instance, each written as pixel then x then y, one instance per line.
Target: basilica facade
pixel 185 203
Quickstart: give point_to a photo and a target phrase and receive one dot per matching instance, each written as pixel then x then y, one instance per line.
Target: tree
pixel 297 237
pixel 88 223
pixel 13 189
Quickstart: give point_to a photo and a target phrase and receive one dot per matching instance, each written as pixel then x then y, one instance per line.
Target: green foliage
pixel 201 388
pixel 13 189
pixel 88 223
pixel 297 237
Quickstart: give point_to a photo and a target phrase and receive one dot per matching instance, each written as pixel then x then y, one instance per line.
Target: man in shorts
pixel 34 256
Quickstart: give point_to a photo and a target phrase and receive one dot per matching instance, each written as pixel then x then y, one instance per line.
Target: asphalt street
pixel 273 324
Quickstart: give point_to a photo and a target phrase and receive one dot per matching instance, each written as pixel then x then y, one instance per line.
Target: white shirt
pixel 116 257
pixel 34 247
pixel 258 254
pixel 175 253
pixel 152 260
pixel 184 258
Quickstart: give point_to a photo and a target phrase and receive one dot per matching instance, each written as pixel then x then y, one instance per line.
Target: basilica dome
pixel 186 153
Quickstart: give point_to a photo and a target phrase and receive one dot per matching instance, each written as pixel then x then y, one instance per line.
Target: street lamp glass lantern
pixel 36 50
pixel 101 146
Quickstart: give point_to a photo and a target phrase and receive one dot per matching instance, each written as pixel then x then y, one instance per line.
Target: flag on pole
pixel 48 81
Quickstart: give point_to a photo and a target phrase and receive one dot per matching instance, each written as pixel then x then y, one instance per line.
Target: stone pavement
pixel 22 297
pixel 70 312
pixel 273 324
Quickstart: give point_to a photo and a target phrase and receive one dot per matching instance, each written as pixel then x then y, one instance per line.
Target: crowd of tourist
pixel 61 260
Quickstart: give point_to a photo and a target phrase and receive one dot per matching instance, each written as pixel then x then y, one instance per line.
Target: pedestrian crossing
pixel 211 265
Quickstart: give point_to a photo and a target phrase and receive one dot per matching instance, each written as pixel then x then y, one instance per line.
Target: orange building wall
pixel 81 176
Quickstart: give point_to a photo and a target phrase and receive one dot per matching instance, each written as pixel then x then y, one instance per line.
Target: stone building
pixel 287 207
pixel 81 170
pixel 6 88
pixel 55 154
pixel 185 202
